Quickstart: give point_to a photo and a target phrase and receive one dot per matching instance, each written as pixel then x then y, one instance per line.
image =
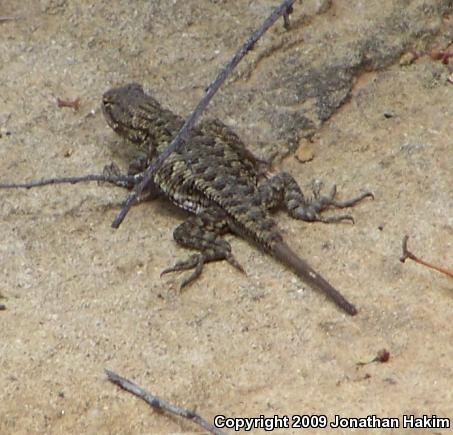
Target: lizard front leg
pixel 137 166
pixel 282 189
pixel 203 233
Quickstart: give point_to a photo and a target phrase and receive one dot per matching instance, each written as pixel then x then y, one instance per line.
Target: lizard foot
pixel 311 211
pixel 196 262
pixel 114 170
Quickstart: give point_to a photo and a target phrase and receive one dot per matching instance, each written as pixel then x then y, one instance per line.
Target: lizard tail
pixel 283 253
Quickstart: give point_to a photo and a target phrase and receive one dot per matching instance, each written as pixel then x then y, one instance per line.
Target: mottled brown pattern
pixel 218 179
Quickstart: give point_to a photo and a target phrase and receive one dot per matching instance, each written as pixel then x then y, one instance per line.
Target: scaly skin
pixel 215 177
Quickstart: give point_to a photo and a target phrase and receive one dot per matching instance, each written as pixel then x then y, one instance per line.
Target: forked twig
pixel 408 254
pixel 160 404
pixel 284 9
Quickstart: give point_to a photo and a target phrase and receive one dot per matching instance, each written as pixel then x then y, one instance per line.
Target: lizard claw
pixel 194 275
pixel 190 263
pixel 348 203
pixel 230 258
pixel 312 211
pixel 330 219
pixel 114 170
pixel 197 262
pixel 193 262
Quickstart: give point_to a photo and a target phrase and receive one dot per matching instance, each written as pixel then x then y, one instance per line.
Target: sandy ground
pixel 81 297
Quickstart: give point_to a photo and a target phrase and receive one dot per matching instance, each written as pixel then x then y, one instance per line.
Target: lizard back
pixel 206 171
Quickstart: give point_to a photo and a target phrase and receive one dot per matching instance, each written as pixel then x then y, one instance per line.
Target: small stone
pixel 305 152
pixel 407 58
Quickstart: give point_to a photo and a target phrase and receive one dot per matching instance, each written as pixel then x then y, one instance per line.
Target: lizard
pixel 217 179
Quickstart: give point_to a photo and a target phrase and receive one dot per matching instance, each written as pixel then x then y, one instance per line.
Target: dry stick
pixel 4 19
pixel 408 254
pixel 121 180
pixel 157 403
pixel 284 8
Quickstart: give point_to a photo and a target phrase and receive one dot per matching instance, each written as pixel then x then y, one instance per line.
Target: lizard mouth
pixel 107 112
pixel 120 121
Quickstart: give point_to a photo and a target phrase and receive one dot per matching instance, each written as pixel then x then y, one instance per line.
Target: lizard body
pixel 217 179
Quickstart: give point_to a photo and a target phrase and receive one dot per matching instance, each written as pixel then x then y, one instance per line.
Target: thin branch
pixel 284 8
pixel 119 180
pixel 408 254
pixel 160 404
pixel 5 19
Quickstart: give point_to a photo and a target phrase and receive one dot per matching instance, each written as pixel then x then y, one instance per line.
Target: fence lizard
pixel 217 179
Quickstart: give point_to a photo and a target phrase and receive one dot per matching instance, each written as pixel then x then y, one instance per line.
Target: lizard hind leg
pixel 203 232
pixel 282 188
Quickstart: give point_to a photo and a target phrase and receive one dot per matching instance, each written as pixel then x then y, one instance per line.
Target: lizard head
pixel 127 110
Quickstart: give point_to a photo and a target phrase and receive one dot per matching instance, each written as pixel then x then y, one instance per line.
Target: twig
pixel 408 254
pixel 119 180
pixel 74 104
pixel 284 8
pixel 160 404
pixel 4 19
